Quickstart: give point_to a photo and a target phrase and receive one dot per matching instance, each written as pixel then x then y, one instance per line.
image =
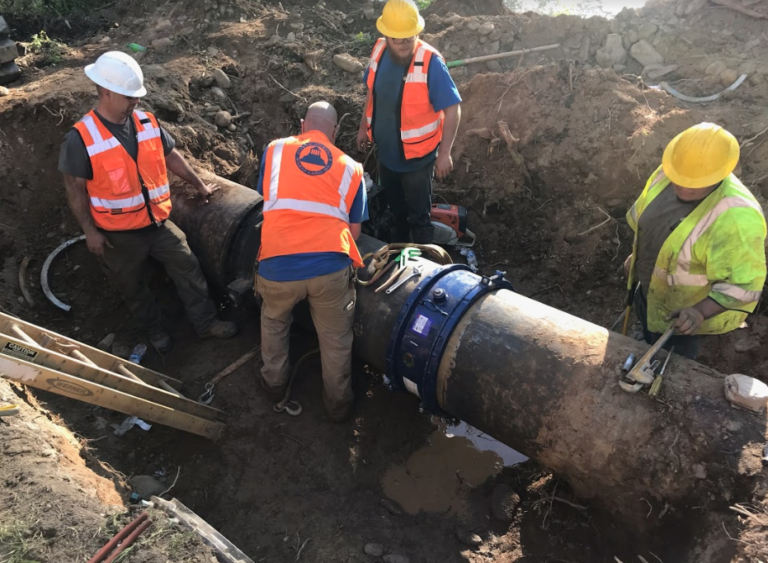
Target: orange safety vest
pixel 118 198
pixel 309 187
pixel 421 127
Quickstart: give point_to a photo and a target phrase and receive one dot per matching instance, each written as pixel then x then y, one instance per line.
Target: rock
pixel 584 51
pixel 504 502
pixel 347 62
pixel 212 51
pixel 146 486
pixel 473 25
pixel 757 79
pixel 232 127
pixel 164 25
pixel 716 68
pixel 392 507
pixel 673 21
pixel 632 37
pixel 483 40
pixel 395 558
pixel 374 549
pixel 369 13
pixel 695 6
pixel 495 35
pixel 486 29
pixel 619 68
pixel 106 342
pixel 458 71
pixel 223 119
pixel 5 30
pixel 647 30
pixel 162 45
pixel 613 53
pixel 699 471
pixel 644 53
pixel 206 81
pixel 8 51
pixel 222 80
pixel 749 45
pixel 4 91
pixel 291 37
pixel 468 537
pixel 746 342
pixel 654 72
pixel 225 153
pixel 493 48
pixel 494 66
pixel 728 76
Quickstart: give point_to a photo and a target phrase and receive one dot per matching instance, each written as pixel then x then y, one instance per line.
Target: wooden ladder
pixel 45 360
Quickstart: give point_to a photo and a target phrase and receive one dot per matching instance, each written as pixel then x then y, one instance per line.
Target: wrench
pixel 415 273
pixel 643 372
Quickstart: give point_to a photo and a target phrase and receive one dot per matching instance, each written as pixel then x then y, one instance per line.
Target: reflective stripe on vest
pixel 680 277
pixel 301 211
pixel 420 125
pixel 115 191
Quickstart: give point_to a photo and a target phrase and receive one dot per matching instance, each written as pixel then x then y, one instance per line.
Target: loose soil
pixel 551 152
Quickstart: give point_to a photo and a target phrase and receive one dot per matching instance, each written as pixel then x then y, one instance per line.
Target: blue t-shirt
pixel 296 267
pixel 389 83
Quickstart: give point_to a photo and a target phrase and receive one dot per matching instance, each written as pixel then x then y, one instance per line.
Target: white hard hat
pixel 119 73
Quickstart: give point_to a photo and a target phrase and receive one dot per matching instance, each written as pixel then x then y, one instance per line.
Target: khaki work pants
pixel 332 305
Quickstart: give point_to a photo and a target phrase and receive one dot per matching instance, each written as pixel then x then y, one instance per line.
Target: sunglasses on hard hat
pixel 403 41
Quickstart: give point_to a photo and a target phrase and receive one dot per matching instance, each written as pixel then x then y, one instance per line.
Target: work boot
pixel 275 394
pixel 344 416
pixel 161 340
pixel 219 329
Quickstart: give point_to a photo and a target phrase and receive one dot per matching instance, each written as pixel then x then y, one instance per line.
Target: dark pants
pixel 126 265
pixel 409 196
pixel 686 346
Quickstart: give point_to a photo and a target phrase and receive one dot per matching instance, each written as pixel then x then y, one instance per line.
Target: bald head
pixel 321 116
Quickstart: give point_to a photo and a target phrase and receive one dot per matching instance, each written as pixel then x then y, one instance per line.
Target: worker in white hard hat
pixel 115 162
pixel 412 113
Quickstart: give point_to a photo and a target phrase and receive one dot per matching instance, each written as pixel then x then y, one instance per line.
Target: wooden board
pixel 16 348
pixel 42 377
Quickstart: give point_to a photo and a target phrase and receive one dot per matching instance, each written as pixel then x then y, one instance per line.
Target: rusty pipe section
pixel 539 380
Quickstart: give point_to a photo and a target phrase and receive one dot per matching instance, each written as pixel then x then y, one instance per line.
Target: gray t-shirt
pixel 657 222
pixel 73 157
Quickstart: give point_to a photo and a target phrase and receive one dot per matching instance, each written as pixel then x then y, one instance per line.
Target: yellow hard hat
pixel 701 156
pixel 400 19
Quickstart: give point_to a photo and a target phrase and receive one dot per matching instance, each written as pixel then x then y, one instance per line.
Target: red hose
pixel 129 540
pixel 110 545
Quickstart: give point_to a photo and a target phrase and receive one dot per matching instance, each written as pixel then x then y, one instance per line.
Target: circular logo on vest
pixel 314 159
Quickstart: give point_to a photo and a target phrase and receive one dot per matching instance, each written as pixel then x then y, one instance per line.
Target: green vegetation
pixel 52 50
pixel 16 542
pixel 423 4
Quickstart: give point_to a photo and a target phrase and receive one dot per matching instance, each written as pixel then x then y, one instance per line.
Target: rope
pixel 380 260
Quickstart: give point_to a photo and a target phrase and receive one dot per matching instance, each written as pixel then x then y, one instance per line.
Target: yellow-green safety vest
pixel 718 251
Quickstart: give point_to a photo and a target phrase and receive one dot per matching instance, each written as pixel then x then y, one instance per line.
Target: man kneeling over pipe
pixel 314 203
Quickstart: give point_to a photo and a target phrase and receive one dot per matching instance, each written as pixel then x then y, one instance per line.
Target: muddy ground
pixel 547 203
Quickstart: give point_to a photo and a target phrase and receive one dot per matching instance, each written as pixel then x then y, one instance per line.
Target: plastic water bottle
pixel 138 353
pixel 471 260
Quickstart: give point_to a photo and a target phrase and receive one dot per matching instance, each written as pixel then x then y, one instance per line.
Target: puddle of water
pixel 436 477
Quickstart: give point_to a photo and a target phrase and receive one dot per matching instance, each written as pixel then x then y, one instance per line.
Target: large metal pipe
pixel 538 379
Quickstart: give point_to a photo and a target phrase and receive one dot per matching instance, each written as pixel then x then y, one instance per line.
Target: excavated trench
pixel 548 159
